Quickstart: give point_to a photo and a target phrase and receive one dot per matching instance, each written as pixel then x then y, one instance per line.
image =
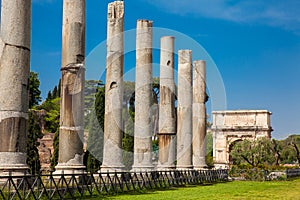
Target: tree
pixel 289 150
pixel 52 108
pixel 297 151
pixel 277 148
pixel 55 93
pixel 90 90
pixel 49 96
pixel 95 139
pixel 209 150
pixel 34 129
pixel 34 133
pixel 94 144
pixel 54 158
pixel 294 142
pixel 34 91
pixel 100 106
pixel 288 154
pixel 257 153
pixel 59 88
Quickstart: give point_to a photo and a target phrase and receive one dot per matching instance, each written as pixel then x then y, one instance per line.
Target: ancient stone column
pixel 143 97
pixel 184 110
pixel 72 88
pixel 14 80
pixel 199 114
pixel 112 152
pixel 167 113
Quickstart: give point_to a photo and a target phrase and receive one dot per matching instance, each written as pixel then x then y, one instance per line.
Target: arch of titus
pixel 231 126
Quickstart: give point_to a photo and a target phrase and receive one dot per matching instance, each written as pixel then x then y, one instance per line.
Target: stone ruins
pixel 114 88
pixel 14 88
pixel 167 112
pixel 181 135
pixel 232 126
pixel 70 158
pixel 143 97
pixel 199 114
pixel 184 110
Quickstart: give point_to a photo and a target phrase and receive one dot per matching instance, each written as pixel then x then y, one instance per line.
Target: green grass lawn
pixel 232 190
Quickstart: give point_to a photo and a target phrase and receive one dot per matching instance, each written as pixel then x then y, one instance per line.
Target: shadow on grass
pixel 133 193
pixel 147 191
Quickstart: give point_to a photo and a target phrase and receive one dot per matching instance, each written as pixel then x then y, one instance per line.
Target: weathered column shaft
pixel 199 114
pixel 14 80
pixel 143 97
pixel 184 110
pixel 112 152
pixel 167 115
pixel 72 88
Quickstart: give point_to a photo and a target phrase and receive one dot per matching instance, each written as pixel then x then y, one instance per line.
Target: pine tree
pixel 49 96
pixel 34 129
pixel 54 93
pixel 34 91
pixel 59 88
pixel 95 139
pixel 100 106
pixel 34 133
pixel 54 159
pixel 94 144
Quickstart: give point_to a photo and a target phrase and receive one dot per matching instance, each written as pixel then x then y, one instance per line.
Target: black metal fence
pixel 263 175
pixel 291 173
pixel 72 186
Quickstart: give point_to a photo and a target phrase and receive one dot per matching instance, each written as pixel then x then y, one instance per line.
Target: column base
pixel 165 167
pixel 13 164
pixel 184 167
pixel 105 168
pixel 142 168
pixel 69 169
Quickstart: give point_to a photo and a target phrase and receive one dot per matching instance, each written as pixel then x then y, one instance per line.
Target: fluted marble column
pixel 143 97
pixel 199 115
pixel 72 88
pixel 167 113
pixel 14 84
pixel 112 152
pixel 184 110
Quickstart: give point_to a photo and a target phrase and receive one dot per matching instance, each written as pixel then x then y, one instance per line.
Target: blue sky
pixel 255 45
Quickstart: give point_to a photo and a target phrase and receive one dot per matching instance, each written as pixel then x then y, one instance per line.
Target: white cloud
pixel 284 14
